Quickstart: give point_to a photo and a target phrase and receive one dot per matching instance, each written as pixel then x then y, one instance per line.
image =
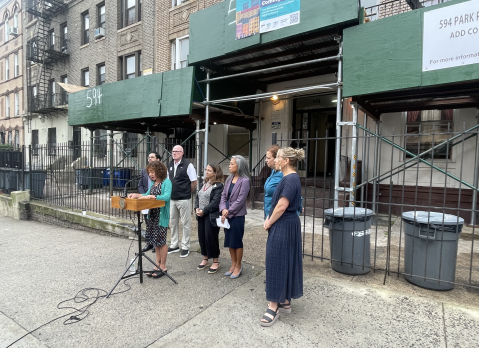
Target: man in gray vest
pixel 183 178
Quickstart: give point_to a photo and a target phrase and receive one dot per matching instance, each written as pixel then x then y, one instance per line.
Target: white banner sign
pixel 451 36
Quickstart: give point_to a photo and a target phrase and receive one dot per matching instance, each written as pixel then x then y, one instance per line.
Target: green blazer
pixel 165 196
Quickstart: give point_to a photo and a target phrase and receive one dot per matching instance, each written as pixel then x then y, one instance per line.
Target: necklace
pixel 206 187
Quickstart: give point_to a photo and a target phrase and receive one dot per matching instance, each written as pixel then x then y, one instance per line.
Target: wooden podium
pixel 137 205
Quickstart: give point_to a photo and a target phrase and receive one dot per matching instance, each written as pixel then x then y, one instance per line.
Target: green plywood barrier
pixel 163 94
pixel 386 55
pixel 212 30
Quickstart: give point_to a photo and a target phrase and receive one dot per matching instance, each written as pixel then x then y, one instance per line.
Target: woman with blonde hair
pixel 284 263
pixel 207 209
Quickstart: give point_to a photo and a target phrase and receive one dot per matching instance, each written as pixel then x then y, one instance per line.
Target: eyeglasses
pixel 176 151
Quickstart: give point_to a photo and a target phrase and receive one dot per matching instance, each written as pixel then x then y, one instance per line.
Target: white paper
pixel 145 211
pixel 222 224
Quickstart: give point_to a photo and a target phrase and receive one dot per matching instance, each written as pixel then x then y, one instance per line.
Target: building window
pixel 101 16
pixel 52 141
pixel 5 19
pixel 16 139
pixel 428 128
pixel 51 39
pixel 64 80
pixel 101 74
pixel 9 138
pixel 35 143
pixel 2 138
pixel 7 69
pixel 15 19
pixel 131 66
pixel 33 100
pixel 130 141
pixel 7 106
pixel 16 71
pixel 63 36
pixel 17 104
pixel 100 143
pixel 132 12
pixel 85 78
pixel 85 28
pixel 177 2
pixel 51 88
pixel 180 48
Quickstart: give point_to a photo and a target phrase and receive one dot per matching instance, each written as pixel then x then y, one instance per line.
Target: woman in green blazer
pixel 158 218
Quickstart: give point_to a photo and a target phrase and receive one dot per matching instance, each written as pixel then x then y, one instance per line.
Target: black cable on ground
pixel 82 296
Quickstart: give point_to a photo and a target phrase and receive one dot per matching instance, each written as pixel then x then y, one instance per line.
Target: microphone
pixel 128 182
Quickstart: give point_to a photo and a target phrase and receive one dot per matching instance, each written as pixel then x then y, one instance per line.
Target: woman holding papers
pixel 207 209
pixel 158 219
pixel 284 265
pixel 233 209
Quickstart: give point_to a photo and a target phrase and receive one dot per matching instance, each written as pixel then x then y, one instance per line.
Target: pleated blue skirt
pixel 284 260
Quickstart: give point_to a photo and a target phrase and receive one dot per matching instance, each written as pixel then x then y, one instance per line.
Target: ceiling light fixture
pixel 274 97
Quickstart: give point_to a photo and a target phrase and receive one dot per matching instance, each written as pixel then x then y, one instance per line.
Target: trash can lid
pixel 349 212
pixel 425 217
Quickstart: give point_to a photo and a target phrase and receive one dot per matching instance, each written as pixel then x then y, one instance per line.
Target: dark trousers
pixel 208 237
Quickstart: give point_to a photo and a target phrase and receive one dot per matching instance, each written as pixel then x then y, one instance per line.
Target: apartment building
pixel 11 73
pixel 81 44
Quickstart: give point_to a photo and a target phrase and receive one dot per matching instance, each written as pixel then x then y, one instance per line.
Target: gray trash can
pixel 431 248
pixel 349 239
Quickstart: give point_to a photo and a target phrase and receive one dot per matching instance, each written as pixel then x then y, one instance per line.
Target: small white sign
pixel 451 36
pixel 275 125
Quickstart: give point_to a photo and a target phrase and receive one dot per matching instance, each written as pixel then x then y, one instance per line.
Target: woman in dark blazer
pixel 233 208
pixel 207 211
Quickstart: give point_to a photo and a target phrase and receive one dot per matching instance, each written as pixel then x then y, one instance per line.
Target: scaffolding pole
pixel 354 157
pixel 197 142
pixel 363 169
pixel 338 126
pixel 111 163
pixel 476 174
pixel 207 118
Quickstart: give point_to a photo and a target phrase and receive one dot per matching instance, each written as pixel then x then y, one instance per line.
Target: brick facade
pixel 173 23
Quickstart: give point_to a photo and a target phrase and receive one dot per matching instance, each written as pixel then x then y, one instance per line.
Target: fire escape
pixel 44 49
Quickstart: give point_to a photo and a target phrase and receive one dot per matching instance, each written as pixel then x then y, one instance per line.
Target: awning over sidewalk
pixel 385 69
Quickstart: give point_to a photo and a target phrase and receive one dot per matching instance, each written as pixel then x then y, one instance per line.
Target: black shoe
pixel 173 250
pixel 184 252
pixel 148 247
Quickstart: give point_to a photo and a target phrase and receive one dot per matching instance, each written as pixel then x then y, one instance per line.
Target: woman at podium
pixel 158 219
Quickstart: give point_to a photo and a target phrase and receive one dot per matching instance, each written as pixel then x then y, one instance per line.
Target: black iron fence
pixel 405 180
pixel 82 176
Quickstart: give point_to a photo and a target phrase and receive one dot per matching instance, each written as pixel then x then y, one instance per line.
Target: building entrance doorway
pixel 316 116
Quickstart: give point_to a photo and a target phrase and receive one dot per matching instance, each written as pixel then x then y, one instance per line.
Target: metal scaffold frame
pixel 207 102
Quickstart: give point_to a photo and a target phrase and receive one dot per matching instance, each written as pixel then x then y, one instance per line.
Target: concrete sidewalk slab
pixel 43 265
pixel 49 264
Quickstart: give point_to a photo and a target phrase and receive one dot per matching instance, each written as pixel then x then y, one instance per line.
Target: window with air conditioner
pixel 180 48
pixel 51 88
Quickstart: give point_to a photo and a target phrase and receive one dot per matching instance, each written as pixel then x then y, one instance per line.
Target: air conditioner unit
pixel 13 31
pixel 99 33
pixel 64 50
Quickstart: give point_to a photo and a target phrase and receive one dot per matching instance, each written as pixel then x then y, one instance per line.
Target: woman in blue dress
pixel 273 180
pixel 284 262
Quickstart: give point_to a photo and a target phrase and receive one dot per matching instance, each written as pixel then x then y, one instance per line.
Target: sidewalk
pixel 43 265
